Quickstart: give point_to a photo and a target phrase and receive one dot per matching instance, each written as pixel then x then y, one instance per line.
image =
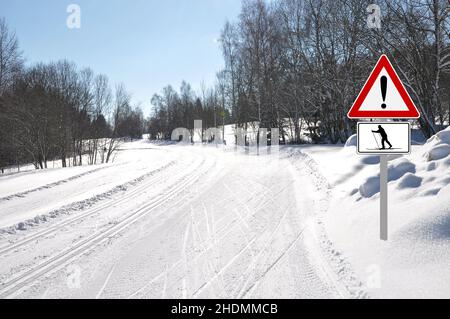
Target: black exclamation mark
pixel 384 91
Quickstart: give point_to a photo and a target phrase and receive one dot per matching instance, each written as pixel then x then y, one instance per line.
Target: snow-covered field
pixel 170 221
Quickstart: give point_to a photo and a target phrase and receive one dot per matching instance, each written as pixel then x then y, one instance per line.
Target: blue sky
pixel 146 44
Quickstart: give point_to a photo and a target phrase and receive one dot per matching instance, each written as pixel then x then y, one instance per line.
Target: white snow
pixel 26 195
pixel 352 141
pixel 214 223
pixel 396 170
pixel 171 221
pixel 415 262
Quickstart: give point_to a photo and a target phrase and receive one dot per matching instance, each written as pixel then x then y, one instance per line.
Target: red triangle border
pixel 412 112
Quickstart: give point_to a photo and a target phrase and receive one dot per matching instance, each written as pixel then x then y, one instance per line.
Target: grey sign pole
pixel 384 197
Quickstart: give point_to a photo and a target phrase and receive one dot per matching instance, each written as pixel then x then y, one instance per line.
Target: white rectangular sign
pixel 378 138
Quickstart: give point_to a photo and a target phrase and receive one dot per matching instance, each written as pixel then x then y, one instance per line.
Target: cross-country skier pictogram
pixel 384 137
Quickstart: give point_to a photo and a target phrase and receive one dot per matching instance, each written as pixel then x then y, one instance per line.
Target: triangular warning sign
pixel 384 96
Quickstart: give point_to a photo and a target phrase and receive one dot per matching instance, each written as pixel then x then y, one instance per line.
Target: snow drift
pixel 414 263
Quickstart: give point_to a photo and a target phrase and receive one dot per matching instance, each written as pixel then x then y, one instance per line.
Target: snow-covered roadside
pixel 415 262
pixel 311 183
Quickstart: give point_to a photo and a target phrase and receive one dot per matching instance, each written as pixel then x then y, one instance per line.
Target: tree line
pixel 175 109
pixel 58 111
pixel 298 65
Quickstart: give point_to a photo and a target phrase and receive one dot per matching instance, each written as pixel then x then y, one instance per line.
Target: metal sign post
pixel 384 197
pixel 395 140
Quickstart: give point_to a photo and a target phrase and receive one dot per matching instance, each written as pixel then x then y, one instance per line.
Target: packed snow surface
pixel 166 221
pixel 196 221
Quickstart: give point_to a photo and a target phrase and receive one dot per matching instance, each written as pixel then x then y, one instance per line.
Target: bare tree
pixel 121 102
pixel 416 35
pixel 11 61
pixel 11 64
pixel 102 98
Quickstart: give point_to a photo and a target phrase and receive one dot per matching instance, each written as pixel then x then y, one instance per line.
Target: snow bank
pixel 437 153
pixel 433 228
pixel 409 181
pixel 396 170
pixel 352 141
pixel 414 263
pixel 437 147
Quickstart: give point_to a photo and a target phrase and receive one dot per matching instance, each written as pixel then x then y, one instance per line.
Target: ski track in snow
pixel 51 185
pixel 217 225
pixel 334 263
pixel 85 206
pixel 52 264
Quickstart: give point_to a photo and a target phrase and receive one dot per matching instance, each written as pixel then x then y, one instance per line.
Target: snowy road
pixel 165 222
